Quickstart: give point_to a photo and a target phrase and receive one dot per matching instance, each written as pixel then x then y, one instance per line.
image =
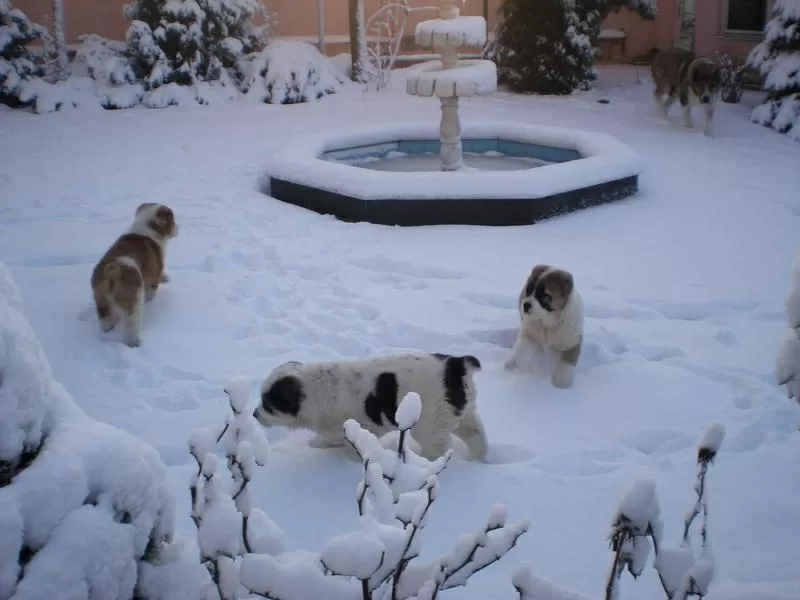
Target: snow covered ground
pixel 684 286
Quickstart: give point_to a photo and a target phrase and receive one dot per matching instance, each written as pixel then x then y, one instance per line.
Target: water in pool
pixel 432 161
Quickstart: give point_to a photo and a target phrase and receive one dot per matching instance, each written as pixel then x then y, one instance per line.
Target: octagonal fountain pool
pixel 512 174
pixel 496 173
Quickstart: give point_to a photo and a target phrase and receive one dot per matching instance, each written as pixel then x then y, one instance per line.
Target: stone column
pixel 450 135
pixel 449 9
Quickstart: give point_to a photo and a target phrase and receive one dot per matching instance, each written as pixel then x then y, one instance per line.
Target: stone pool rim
pixel 298 174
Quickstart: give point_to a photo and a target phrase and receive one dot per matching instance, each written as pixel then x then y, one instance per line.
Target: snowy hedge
pixel 777 58
pixel 175 52
pixel 18 66
pixel 82 504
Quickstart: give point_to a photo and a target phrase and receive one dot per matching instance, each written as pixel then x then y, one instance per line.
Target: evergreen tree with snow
pixel 17 64
pixel 186 41
pixel 595 12
pixel 543 47
pixel 778 60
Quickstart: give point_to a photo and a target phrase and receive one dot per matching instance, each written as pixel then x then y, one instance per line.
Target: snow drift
pixel 81 503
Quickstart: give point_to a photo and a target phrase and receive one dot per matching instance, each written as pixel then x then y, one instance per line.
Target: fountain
pixel 495 173
pixel 451 78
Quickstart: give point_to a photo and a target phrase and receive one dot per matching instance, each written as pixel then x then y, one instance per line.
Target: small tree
pixel 778 60
pixel 17 63
pixel 187 41
pixel 543 47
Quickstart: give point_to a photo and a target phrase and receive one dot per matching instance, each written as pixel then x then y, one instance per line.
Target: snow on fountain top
pixel 467 78
pixel 460 31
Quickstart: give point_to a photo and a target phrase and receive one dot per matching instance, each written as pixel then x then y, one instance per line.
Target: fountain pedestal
pixel 450 78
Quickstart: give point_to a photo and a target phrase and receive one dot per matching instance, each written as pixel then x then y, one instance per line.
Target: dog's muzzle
pixel 705 99
pixel 526 307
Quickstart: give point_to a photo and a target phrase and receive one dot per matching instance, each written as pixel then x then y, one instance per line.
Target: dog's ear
pixel 562 281
pixel 164 221
pixel 533 278
pixel 284 396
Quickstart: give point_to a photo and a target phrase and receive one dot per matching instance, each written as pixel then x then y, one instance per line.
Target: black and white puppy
pixel 322 396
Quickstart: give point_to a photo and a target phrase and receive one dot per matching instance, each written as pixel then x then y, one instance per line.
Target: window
pixel 746 15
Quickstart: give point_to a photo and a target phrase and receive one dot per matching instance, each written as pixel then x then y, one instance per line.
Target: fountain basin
pixel 581 169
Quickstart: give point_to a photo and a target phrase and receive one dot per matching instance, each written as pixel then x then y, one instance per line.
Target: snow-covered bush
pixel 189 41
pixel 637 529
pixel 289 72
pixel 542 47
pixel 777 58
pixel 788 367
pixel 378 560
pixel 82 503
pixel 18 66
pixel 732 79
pixel 108 64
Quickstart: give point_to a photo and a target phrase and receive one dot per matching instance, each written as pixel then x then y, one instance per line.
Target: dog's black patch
pixel 382 400
pixel 544 298
pixel 455 371
pixel 284 396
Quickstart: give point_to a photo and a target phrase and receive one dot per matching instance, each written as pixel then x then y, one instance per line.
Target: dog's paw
pixel 510 364
pixel 164 277
pixel 562 378
pixel 132 340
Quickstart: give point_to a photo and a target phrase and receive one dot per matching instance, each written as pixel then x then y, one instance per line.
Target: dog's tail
pixel 112 274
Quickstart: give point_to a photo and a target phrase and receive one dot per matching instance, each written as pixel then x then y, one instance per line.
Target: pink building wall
pixel 299 18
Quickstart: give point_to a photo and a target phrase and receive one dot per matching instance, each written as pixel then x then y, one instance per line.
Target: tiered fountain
pixel 451 78
pixel 516 173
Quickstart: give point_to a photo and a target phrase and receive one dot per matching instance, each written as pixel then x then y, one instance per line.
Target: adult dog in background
pixel 691 79
pixel 322 396
pixel 551 314
pixel 131 270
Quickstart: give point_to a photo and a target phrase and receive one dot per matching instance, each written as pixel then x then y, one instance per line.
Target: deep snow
pixel 685 288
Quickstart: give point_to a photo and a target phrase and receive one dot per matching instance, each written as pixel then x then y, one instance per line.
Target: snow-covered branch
pixel 787 370
pixel 638 523
pixel 395 499
pixel 227 525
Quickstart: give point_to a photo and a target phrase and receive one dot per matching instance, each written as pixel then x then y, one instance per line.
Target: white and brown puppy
pixel 691 79
pixel 551 311
pixel 322 396
pixel 131 270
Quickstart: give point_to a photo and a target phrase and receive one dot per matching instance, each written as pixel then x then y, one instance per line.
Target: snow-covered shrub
pixel 378 560
pixel 637 529
pixel 115 80
pixel 18 66
pixel 82 503
pixel 732 79
pixel 788 367
pixel 184 42
pixel 542 47
pixel 290 72
pixel 777 58
pixel 227 525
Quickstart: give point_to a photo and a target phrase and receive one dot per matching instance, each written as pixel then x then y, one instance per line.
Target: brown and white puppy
pixel 551 311
pixel 131 270
pixel 694 80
